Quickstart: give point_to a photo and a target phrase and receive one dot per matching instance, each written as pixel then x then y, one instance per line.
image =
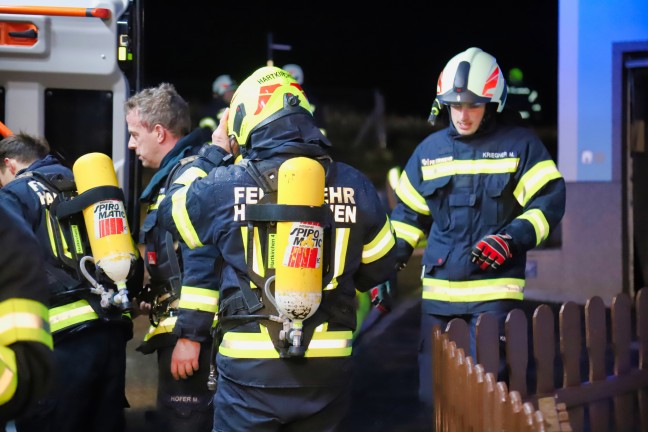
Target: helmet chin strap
pixel 489 115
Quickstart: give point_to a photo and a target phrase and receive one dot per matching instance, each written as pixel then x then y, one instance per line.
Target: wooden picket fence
pixel 582 380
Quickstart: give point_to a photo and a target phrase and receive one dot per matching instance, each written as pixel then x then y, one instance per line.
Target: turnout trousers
pixel 186 404
pixel 244 408
pixel 88 393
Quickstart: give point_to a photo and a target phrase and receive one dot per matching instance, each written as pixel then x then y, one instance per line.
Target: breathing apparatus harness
pixel 162 294
pixel 70 238
pixel 257 305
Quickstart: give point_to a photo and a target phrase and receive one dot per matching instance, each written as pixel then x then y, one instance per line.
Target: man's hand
pixel 492 251
pixel 140 307
pixel 221 138
pixel 145 307
pixel 184 361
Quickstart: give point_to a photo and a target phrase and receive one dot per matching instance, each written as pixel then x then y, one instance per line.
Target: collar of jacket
pixel 195 139
pixel 294 134
pixel 39 163
pixel 487 126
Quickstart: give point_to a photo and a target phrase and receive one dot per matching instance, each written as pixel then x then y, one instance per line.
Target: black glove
pixel 493 250
pixel 381 297
pixel 214 155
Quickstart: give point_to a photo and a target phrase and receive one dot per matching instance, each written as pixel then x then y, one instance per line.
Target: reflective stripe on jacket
pixel 21 320
pixel 259 345
pixel 62 317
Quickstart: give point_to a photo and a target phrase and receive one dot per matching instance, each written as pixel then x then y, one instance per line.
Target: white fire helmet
pixel 296 71
pixel 472 76
pixel 222 84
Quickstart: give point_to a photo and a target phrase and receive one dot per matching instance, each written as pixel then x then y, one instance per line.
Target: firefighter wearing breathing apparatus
pixel 89 312
pixel 483 190
pixel 298 234
pixel 158 121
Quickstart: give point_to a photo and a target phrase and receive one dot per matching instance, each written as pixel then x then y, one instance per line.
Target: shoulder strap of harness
pixel 175 281
pixel 172 283
pixel 68 232
pixel 173 174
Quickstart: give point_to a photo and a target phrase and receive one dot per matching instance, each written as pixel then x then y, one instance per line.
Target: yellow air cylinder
pixel 110 240
pixel 299 245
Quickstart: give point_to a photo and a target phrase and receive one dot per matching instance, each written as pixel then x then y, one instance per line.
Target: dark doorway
pixel 631 118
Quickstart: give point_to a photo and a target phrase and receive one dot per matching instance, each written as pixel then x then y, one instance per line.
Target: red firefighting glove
pixel 492 251
pixel 381 297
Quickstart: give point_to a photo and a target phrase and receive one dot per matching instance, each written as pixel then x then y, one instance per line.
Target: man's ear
pixel 11 165
pixel 160 132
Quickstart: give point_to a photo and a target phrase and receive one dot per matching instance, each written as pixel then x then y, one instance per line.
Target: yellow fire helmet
pixel 265 96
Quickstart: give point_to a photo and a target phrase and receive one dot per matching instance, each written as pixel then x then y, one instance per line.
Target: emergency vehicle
pixel 66 69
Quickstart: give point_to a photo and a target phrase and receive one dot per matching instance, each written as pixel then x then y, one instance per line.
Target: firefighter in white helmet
pixel 223 89
pixel 296 71
pixel 484 191
pixel 318 113
pixel 286 384
pixel 89 339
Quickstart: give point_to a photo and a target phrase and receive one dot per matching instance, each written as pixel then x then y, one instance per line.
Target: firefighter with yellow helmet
pixel 293 255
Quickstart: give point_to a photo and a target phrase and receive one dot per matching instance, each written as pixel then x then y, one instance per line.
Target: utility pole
pixel 275 47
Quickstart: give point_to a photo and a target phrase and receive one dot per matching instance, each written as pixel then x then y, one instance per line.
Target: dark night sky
pixel 398 50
